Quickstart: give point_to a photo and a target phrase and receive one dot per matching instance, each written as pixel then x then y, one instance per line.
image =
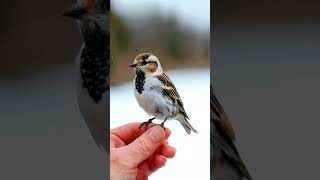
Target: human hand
pixel 135 153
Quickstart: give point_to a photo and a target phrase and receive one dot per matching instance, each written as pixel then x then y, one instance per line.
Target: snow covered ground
pixel 192 160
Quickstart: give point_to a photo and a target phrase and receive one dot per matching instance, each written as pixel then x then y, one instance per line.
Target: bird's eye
pixel 153 62
pixel 144 62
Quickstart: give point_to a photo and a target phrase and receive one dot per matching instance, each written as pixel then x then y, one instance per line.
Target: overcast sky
pixel 192 12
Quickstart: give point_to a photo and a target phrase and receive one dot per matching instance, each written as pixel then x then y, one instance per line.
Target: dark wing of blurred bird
pixel 226 163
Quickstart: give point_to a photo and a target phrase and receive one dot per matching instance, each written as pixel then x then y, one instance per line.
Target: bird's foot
pixel 147 123
pixel 162 125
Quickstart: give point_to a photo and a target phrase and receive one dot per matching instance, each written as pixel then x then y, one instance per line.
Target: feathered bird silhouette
pixel 93 66
pixel 156 93
pixel 226 163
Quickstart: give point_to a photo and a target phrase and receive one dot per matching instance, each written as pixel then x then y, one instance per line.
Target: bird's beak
pixel 133 65
pixel 74 12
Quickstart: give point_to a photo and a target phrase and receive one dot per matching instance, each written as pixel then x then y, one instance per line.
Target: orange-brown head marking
pixel 148 63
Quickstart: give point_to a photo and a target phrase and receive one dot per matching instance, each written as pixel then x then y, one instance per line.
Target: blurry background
pixel 266 73
pixel 177 32
pixel 42 133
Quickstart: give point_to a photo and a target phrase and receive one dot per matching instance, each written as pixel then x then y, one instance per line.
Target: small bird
pixel 156 93
pixel 226 163
pixel 93 66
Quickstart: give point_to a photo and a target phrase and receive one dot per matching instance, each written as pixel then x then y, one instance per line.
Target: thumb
pixel 144 146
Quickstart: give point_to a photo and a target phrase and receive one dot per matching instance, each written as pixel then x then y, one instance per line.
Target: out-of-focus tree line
pixel 176 45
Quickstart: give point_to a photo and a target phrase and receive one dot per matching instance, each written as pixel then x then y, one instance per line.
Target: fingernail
pixel 156 134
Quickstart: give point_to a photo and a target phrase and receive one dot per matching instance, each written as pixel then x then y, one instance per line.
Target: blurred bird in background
pixel 226 163
pixel 93 66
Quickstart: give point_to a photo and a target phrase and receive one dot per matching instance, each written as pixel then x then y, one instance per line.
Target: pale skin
pixel 137 152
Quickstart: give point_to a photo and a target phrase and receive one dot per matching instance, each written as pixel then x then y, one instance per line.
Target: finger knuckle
pixel 143 147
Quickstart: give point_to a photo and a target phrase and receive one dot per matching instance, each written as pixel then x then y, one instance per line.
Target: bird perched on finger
pixel 156 93
pixel 92 66
pixel 226 163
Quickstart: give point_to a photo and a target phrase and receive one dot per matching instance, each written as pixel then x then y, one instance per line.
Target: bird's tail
pixel 187 126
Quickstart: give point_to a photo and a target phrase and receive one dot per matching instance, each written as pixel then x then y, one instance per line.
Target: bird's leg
pixel 162 124
pixel 147 123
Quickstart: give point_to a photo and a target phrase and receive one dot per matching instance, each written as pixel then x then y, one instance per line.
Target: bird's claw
pixel 162 125
pixel 146 123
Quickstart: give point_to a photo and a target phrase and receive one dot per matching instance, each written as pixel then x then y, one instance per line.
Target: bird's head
pixel 147 63
pixel 93 20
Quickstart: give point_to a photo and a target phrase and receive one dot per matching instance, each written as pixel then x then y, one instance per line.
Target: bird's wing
pixel 220 117
pixel 170 91
pixel 223 136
